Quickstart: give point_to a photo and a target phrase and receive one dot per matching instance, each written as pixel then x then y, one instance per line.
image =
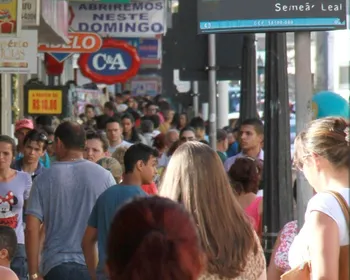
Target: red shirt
pixel 150 189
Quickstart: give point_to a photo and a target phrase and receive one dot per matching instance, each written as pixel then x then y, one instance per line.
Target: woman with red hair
pixel 146 242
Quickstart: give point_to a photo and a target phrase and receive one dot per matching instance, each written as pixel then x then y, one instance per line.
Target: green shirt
pixel 222 156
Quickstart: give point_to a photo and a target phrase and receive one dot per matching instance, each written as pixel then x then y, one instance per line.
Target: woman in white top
pixel 322 153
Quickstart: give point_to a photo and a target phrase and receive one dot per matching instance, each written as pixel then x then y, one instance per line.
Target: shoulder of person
pixel 24 175
pixel 324 200
pixel 7 274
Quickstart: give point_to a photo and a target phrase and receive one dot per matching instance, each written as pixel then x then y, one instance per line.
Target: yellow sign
pixel 44 102
pixel 9 21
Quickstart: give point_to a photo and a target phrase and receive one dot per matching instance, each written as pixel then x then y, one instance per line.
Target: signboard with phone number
pixel 42 100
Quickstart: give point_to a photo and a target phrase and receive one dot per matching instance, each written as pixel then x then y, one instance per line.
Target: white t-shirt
pixel 327 204
pixel 111 150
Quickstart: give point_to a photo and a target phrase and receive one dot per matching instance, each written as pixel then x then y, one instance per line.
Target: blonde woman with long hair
pixel 196 177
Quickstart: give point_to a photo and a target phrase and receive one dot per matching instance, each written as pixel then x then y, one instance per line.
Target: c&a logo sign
pixel 115 62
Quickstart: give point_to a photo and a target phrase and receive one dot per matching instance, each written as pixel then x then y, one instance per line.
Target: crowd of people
pixel 137 193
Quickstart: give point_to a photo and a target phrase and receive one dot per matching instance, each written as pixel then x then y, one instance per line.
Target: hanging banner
pixel 19 54
pixel 58 24
pixel 45 100
pixel 270 15
pixel 137 19
pixel 10 18
pixel 30 13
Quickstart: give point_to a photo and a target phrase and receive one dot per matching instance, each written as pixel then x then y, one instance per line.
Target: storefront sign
pixel 270 15
pixel 80 42
pixel 146 85
pixel 45 100
pixel 148 49
pixel 137 19
pixel 115 62
pixel 10 22
pixel 19 54
pixel 30 13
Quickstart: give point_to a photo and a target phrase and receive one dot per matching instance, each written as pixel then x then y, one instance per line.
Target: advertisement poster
pixel 30 13
pixel 149 85
pixel 87 96
pixel 137 19
pixel 19 54
pixel 45 100
pixel 10 21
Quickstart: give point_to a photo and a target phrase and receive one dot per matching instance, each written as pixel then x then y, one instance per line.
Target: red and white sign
pixel 115 62
pixel 80 42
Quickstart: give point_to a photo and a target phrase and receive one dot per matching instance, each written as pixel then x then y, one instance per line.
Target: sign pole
pixel 248 82
pixel 278 192
pixel 195 98
pixel 303 106
pixel 212 89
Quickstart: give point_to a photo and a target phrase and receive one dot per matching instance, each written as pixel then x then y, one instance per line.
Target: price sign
pixel 30 13
pixel 44 102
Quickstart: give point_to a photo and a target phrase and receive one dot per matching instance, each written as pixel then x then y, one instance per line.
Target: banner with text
pixel 137 19
pixel 45 100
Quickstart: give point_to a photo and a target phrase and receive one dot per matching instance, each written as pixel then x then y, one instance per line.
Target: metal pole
pixel 303 106
pixel 248 84
pixel 195 98
pixel 278 192
pixel 51 80
pixel 212 89
pixel 321 73
pixel 6 112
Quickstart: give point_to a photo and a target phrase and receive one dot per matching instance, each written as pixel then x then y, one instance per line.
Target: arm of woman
pixel 273 273
pixel 263 275
pixel 324 246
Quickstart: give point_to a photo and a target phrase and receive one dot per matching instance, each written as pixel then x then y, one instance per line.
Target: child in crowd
pixel 8 245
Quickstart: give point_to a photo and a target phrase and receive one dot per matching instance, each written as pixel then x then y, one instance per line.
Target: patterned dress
pixel 255 266
pixel 288 233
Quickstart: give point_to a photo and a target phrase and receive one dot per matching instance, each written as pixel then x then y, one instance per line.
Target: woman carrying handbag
pixel 321 249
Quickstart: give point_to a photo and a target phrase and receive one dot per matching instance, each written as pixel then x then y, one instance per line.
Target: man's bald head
pixel 72 135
